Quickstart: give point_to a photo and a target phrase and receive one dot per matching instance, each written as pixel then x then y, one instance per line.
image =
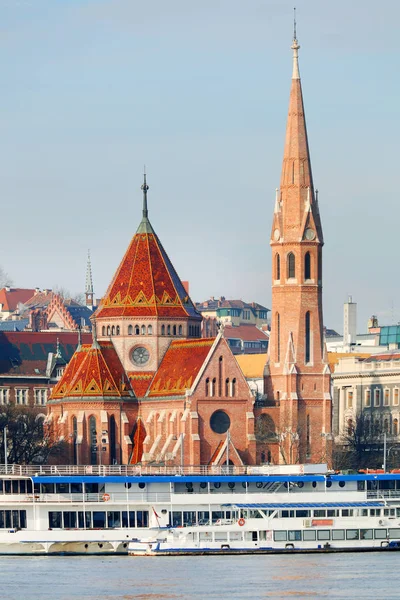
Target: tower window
pixel 278 338
pixel 308 338
pixel 227 387
pixel 113 330
pixel 162 329
pixel 277 267
pixel 143 329
pixel 108 330
pixel 117 330
pixel 150 330
pixel 307 266
pixel 137 330
pixel 103 330
pixel 130 330
pixel 174 330
pixel 207 386
pixel 180 329
pixel 291 266
pixel 168 329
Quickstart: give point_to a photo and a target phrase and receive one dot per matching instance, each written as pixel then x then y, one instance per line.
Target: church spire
pixel 89 284
pixel 145 225
pixel 295 48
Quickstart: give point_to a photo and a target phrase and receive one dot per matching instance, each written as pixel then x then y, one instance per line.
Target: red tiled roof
pixel 146 284
pixel 25 353
pixel 385 356
pixel 15 296
pixel 180 366
pixel 247 333
pixel 94 371
pixel 140 381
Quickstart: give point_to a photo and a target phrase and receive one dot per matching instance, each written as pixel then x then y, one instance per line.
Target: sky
pixel 91 90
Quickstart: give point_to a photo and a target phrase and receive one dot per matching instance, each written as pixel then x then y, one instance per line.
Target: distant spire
pixel 145 187
pixel 295 48
pixel 89 284
pixel 58 351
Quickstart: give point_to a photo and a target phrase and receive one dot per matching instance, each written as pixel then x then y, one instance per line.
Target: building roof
pixel 95 370
pixel 180 366
pixel 140 381
pixel 214 304
pixel 247 333
pixel 14 325
pixel 146 283
pixel 252 365
pixel 10 298
pixel 25 353
pixel 334 357
pixel 384 356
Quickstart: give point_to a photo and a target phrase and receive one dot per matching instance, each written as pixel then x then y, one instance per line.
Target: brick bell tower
pixel 298 379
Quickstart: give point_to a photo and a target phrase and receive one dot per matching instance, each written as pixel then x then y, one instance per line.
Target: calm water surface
pixel 370 575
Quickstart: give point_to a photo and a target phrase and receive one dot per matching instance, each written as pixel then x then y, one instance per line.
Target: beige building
pixel 234 312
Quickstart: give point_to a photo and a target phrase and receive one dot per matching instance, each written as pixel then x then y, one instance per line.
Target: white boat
pixel 160 510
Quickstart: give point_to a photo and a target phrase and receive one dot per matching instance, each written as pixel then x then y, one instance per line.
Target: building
pixel 31 363
pixel 11 298
pixel 297 385
pixel 234 312
pixel 366 389
pixel 246 339
pixel 150 388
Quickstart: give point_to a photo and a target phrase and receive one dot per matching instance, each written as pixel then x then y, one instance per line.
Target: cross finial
pixel 145 187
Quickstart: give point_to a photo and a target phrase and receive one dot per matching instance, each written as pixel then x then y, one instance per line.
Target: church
pixel 150 390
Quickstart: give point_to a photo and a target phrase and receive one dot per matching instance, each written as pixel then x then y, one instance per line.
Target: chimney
pixel 37 290
pixel 8 289
pixel 349 324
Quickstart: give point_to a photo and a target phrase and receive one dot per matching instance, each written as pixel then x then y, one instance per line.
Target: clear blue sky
pixel 198 91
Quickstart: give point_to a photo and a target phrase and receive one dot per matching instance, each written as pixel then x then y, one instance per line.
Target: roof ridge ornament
pixel 295 47
pixel 95 343
pixel 145 187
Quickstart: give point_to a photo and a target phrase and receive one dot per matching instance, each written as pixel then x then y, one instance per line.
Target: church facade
pixel 150 389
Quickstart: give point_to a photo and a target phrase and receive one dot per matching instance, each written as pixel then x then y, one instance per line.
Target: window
pixel 380 534
pixel 149 330
pixel 180 330
pixel 108 330
pixel 174 330
pixel 220 422
pixel 137 330
pixel 323 535
pixel 220 361
pixel 227 387
pixel 308 338
pixel 396 397
pixel 308 536
pixel 294 536
pixel 213 387
pixel 367 398
pixel 278 337
pixel 143 329
pixel 386 397
pixel 280 536
pixel 307 266
pixel 377 398
pixel 41 396
pixel 352 534
pixel 349 398
pixel 233 387
pixel 291 266
pixel 21 396
pixel 103 330
pixel 113 330
pixel 207 386
pixel 338 534
pixel 117 330
pixel 130 330
pixel 4 395
pixel 162 329
pixel 277 267
pixel 386 425
pixel 395 427
pixel 169 330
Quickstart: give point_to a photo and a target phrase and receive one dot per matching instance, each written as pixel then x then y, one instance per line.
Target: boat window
pixel 308 536
pixel 352 534
pixel 338 534
pixel 255 514
pixel 91 488
pixel 329 483
pixel 175 519
pixel 22 487
pixel 361 486
pixel 132 518
pixel 1 486
pixel 294 536
pixel 374 512
pixel 319 513
pixel 189 518
pixel 203 517
pixel 62 488
pixel 342 483
pixel 7 486
pixel 323 535
pixel 347 512
pixel 285 514
pixel 99 519
pixel 366 534
pixel 15 486
pixel 80 520
pixel 380 534
pixel 47 488
pixel 22 519
pixel 88 520
pixel 125 519
pixel 394 533
pixel 113 519
pixel 55 520
pixel 303 514
pixel 364 512
pixel 76 488
pixel 389 512
pixel 332 512
pixel 142 518
pixel 69 518
pixel 280 536
pixel 216 515
pixel 13 519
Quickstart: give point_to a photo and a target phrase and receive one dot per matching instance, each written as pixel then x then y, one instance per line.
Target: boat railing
pixel 103 498
pixel 383 494
pixel 134 470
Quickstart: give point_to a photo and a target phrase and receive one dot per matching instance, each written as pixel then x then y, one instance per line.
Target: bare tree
pixel 5 279
pixel 29 440
pixel 361 443
pixel 66 295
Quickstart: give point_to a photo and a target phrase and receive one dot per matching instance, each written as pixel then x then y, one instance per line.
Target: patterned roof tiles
pixel 146 284
pixel 180 366
pixel 140 381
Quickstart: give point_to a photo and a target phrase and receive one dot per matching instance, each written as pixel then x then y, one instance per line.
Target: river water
pixel 370 575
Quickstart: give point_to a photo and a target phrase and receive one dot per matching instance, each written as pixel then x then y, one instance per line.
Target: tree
pixel 29 440
pixel 5 279
pixel 66 295
pixel 361 443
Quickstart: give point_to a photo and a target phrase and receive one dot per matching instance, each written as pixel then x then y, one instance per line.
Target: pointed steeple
pixel 145 225
pixel 89 294
pixel 297 188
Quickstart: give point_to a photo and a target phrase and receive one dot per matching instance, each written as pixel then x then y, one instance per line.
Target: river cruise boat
pixel 160 510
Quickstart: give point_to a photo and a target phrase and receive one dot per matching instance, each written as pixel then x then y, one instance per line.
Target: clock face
pixel 140 356
pixel 309 234
pixel 277 234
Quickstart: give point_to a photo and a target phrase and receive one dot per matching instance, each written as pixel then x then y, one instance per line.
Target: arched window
pixel 108 330
pixel 162 329
pixel 278 337
pixel 117 330
pixel 207 386
pixel 130 330
pixel 137 330
pixel 168 329
pixel 174 330
pixel 395 427
pixel 308 338
pixel 220 376
pixel 307 266
pixel 386 426
pixel 234 387
pixel 143 329
pixel 227 387
pixel 180 329
pixel 75 438
pixel 149 330
pixel 93 440
pixel 113 330
pixel 113 438
pixel 213 386
pixel 291 266
pixel 103 330
pixel 277 267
